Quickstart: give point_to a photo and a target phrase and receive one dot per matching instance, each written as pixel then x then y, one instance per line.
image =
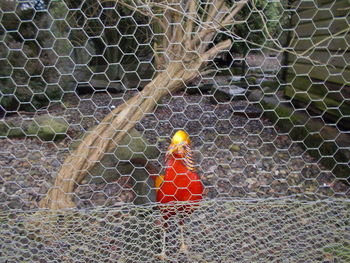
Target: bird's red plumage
pixel 180 184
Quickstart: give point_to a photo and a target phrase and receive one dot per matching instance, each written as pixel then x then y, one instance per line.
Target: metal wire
pixel 269 125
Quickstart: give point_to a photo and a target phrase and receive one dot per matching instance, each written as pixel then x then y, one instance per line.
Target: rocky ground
pixel 237 156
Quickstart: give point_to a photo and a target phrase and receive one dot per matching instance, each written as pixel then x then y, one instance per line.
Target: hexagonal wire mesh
pixel 92 92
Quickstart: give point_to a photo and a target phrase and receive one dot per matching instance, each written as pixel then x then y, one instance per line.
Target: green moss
pixel 313 141
pixel 23 94
pixel 117 163
pixel 16 132
pixel 283 112
pixel 54 92
pixel 9 129
pixel 287 119
pixel 272 85
pixel 236 71
pixel 323 103
pixel 267 106
pixel 3 128
pixel 252 80
pixel 298 133
pixel 48 128
pixel 235 148
pixel 133 145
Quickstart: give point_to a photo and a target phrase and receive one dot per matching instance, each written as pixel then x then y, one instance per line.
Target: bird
pixel 180 183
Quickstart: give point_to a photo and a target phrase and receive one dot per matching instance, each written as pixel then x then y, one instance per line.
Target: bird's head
pixel 180 144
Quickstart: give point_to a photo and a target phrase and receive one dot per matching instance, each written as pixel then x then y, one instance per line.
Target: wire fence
pixel 91 93
pixel 220 231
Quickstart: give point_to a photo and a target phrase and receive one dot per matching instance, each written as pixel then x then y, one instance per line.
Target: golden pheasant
pixel 180 183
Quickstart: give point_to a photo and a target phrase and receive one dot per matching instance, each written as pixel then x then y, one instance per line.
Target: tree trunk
pixel 181 64
pixel 105 137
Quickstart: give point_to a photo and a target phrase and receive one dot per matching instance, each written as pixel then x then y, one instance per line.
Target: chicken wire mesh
pixel 267 115
pixel 220 231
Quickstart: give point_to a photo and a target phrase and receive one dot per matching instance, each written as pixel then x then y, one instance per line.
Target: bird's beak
pixel 171 149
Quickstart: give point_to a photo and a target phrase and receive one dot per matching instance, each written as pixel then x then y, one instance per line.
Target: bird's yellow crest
pixel 180 137
pixel 180 144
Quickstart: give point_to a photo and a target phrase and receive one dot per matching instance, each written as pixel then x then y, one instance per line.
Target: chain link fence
pixel 91 93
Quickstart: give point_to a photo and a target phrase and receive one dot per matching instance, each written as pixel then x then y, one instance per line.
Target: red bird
pixel 180 183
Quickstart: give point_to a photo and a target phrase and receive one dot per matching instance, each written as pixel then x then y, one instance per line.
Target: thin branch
pixel 222 11
pixel 279 47
pixel 301 55
pixel 325 39
pixel 215 10
pixel 264 24
pixel 157 59
pixel 220 28
pixel 216 19
pixel 178 29
pixel 211 53
pixel 234 12
pixel 203 33
pixel 191 10
pixel 138 10
pixel 203 16
pixel 210 10
pixel 208 71
pixel 128 6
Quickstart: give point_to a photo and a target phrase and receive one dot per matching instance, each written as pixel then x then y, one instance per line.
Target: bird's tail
pixel 158 180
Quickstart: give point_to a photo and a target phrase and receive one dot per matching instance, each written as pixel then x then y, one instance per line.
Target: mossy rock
pixel 300 127
pixel 236 71
pixel 199 89
pixel 9 129
pixel 48 128
pixel 119 163
pixel 252 80
pixel 235 148
pixel 133 145
pixel 270 85
pixel 332 109
pixel 3 128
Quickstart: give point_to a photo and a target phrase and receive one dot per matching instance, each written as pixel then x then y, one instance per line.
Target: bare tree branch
pixel 179 66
